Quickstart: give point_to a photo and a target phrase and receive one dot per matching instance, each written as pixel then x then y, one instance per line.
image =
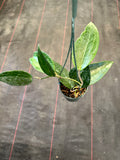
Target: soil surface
pixel 26 114
pixel 73 93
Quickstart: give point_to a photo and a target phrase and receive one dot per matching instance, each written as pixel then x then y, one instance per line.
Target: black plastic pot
pixel 70 98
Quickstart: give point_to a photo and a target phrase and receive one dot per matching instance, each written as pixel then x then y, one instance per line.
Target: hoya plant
pixel 73 83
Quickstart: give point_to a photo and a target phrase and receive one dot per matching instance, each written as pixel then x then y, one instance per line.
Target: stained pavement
pixel 72 134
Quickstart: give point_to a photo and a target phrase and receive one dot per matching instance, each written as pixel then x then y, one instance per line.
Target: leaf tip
pixel 110 63
pixel 39 48
pixel 35 53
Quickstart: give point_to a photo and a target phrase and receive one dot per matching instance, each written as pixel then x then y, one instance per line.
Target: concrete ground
pixel 72 133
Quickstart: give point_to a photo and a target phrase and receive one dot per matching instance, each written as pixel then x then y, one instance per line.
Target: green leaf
pixel 68 83
pixel 85 75
pixel 16 78
pixel 46 63
pixel 58 68
pixel 34 62
pixel 73 74
pixel 65 73
pixel 86 46
pixel 98 70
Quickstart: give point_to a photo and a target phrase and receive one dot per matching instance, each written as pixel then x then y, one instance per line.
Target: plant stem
pixel 42 77
pixel 68 79
pixel 80 78
pixel 80 84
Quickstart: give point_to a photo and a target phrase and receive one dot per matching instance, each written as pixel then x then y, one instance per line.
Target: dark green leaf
pixel 46 63
pixel 86 46
pixel 16 78
pixel 85 75
pixel 98 70
pixel 73 74
pixel 68 83
pixel 58 68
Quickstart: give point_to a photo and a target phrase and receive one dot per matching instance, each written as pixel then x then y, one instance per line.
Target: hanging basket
pixel 70 95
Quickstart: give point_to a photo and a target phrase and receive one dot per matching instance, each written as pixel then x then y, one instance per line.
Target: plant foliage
pixel 16 78
pixel 86 47
pixel 46 63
